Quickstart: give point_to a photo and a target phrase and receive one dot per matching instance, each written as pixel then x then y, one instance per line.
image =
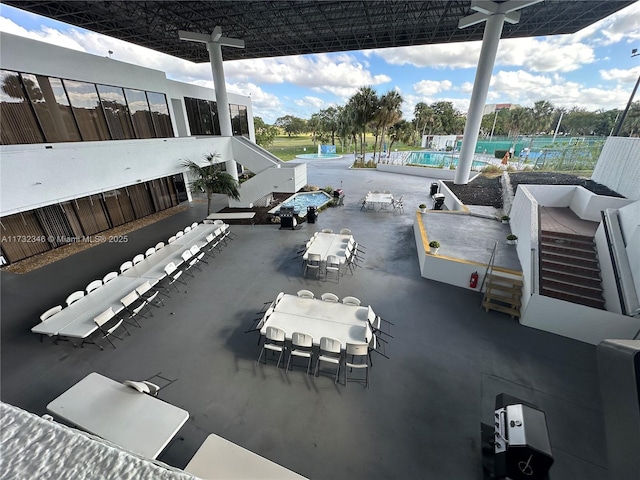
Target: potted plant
pixel 422 207
pixel 512 239
pixel 433 247
pixel 505 219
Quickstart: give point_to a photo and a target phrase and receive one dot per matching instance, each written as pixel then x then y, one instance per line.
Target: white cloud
pixel 524 88
pixel 452 55
pixel 431 87
pixel 45 34
pixel 624 76
pixel 309 101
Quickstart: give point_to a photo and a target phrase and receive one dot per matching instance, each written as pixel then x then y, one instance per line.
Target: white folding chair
pixel 359 360
pixel 351 301
pixel 329 297
pixel 198 255
pixel 188 262
pixel 159 245
pixel 305 294
pixel 330 352
pixel 152 297
pixel 133 305
pixel 345 231
pixel 126 266
pixel 101 321
pixel 138 258
pixel 332 268
pixel 109 276
pixel 93 285
pixel 48 314
pixel 187 229
pixel 301 347
pixel 312 264
pixel 194 225
pixel 150 251
pixel 174 275
pixel 143 387
pixel 172 239
pixel 327 230
pixel 74 297
pixel 179 234
pixel 274 341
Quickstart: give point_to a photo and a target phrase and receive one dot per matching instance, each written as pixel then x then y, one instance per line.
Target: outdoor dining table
pixel 381 199
pixel 346 323
pixel 76 320
pixel 325 244
pixel 120 414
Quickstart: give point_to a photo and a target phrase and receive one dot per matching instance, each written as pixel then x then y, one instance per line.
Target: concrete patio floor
pixel 419 419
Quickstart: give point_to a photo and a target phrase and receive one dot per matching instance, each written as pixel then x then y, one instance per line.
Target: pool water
pixel 303 200
pixel 438 160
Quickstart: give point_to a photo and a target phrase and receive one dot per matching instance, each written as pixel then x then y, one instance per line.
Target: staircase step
pixel 513 301
pixel 505 290
pixel 566 236
pixel 571 287
pixel 591 279
pixel 501 308
pixel 569 259
pixel 584 270
pixel 576 250
pixel 582 300
pixel 504 279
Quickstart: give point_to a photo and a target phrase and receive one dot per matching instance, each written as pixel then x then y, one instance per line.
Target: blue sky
pixel 592 69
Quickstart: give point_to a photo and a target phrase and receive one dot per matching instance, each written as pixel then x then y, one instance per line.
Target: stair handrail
pixel 489 268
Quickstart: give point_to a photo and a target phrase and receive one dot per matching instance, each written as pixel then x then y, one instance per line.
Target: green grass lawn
pixel 286 148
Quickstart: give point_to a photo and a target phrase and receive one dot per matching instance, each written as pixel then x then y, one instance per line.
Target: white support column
pixel 490 40
pixel 214 42
pixel 495 14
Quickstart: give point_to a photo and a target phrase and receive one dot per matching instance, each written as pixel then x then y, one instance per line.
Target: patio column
pixel 214 42
pixel 494 14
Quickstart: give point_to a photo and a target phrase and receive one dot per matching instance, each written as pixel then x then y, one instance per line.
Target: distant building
pixel 495 107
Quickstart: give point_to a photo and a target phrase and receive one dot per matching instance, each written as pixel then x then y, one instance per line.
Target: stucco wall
pixel 619 166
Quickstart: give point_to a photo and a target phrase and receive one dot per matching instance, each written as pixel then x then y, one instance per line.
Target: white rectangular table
pixel 76 320
pixel 221 459
pixel 381 199
pixel 325 244
pixel 195 235
pixel 231 216
pixel 135 421
pixel 346 323
pixel 152 268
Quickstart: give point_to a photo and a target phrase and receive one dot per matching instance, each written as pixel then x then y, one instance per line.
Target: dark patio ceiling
pixel 278 28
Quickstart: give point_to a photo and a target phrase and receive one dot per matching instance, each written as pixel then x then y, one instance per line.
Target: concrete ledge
pixel 438 173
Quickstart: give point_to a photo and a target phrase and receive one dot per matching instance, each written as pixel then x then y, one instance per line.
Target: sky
pixel 592 69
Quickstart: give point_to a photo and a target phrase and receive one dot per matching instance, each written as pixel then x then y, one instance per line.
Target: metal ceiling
pixel 278 28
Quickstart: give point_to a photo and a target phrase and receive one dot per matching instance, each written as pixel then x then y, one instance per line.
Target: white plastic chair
pixel 313 264
pixel 93 285
pixel 274 341
pixel 126 266
pixel 198 255
pixel 146 292
pixel 345 231
pixel 179 234
pixel 188 262
pixel 109 276
pixel 330 352
pixel 174 274
pixel 159 245
pixel 187 229
pixel 194 225
pixel 138 258
pixel 172 239
pixel 305 294
pixel 150 251
pixel 329 297
pixel 302 347
pixel 327 230
pixel 358 352
pixel 102 319
pixel 129 302
pixel 48 314
pixel 351 301
pixel 332 268
pixel 143 387
pixel 74 297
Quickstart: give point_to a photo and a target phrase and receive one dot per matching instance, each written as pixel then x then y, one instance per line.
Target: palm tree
pixel 211 179
pixel 390 112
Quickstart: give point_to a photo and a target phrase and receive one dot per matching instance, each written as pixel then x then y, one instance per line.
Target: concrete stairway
pixel 569 268
pixel 503 293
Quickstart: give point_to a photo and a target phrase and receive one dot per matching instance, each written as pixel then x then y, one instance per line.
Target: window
pixel 52 108
pixel 140 114
pixel 203 116
pixel 160 114
pixel 18 124
pixel 116 112
pixel 87 110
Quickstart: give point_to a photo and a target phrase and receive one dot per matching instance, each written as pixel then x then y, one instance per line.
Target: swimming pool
pixel 319 155
pixel 438 160
pixel 302 200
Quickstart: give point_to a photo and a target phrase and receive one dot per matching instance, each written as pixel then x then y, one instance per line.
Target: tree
pixel 517 121
pixel 402 131
pixel 541 116
pixel 291 125
pixel 265 134
pixel 362 106
pixel 211 179
pixel 389 112
pixel 449 118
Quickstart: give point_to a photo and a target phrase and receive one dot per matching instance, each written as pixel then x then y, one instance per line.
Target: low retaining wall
pixel 438 173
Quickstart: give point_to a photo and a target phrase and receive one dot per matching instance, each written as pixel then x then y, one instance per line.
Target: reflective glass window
pixel 116 112
pixel 160 114
pixel 87 110
pixel 139 108
pixel 18 123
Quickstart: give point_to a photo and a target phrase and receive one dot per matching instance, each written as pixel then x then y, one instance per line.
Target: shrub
pixel 422 205
pixel 491 169
pixel 328 189
pixel 434 244
pixel 505 218
pixel 511 236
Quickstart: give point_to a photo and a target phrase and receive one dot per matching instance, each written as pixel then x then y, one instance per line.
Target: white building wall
pixel 524 224
pixel 619 166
